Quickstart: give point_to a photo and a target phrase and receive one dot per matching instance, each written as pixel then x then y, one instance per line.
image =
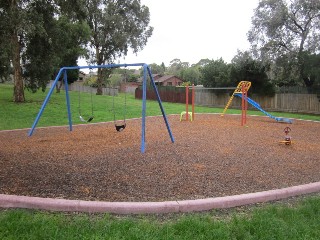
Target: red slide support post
pixel 244 105
pixel 187 102
pixel 192 100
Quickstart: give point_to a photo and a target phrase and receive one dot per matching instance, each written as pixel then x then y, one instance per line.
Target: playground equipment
pixel 79 107
pixel 120 126
pixel 186 113
pixel 287 138
pixel 242 89
pixel 146 73
pixel 238 92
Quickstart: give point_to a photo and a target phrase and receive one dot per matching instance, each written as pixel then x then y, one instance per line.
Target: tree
pixel 216 74
pixel 286 28
pixel 311 71
pixel 64 43
pixel 29 28
pixel 12 29
pixel 156 69
pixel 245 68
pixel 191 75
pixel 116 26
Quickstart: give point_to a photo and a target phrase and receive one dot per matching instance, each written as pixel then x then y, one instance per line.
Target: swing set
pixel 80 115
pixel 119 127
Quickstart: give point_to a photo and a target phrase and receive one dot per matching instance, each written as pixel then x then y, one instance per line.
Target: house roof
pixel 153 75
pixel 166 78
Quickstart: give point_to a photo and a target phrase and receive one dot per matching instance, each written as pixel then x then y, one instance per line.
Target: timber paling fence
pixel 79 87
pixel 280 102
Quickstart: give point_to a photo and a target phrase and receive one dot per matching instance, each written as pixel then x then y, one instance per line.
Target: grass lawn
pixel 292 219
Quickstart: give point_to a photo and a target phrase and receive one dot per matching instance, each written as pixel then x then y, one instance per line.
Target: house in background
pixel 168 80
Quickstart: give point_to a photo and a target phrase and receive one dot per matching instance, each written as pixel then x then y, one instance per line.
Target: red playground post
pixel 244 104
pixel 187 102
pixel 187 113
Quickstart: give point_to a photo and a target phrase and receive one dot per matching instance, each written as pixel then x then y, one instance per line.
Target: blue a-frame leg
pixel 146 72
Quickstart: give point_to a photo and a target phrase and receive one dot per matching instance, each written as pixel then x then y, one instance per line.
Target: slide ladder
pixel 243 85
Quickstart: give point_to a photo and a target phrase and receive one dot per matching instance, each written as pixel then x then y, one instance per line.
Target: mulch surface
pixel 212 156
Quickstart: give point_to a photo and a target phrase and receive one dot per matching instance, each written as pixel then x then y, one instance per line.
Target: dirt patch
pixel 211 157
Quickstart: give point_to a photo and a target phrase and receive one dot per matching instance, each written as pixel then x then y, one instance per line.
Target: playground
pixel 212 156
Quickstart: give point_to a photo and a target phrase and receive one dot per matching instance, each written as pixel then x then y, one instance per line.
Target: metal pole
pixel 45 103
pixel 160 104
pixel 144 98
pixel 65 77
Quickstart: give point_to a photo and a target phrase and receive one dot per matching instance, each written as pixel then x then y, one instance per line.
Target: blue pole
pixel 160 104
pixel 45 103
pixel 146 70
pixel 65 77
pixel 144 106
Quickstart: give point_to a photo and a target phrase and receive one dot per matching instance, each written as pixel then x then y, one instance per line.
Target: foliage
pixel 157 69
pixel 191 75
pixel 286 29
pixel 5 68
pixel 245 68
pixel 176 66
pixel 116 26
pixel 311 70
pixel 43 35
pixel 60 45
pixel 216 74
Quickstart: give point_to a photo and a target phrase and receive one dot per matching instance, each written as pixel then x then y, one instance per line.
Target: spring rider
pixel 287 138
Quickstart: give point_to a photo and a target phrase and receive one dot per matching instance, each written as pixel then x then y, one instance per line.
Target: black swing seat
pixel 90 119
pixel 83 120
pixel 119 128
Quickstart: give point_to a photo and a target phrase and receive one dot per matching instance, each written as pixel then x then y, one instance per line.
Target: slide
pixel 257 106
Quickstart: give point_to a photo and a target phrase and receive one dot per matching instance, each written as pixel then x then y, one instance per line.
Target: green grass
pixel 17 116
pixel 291 220
pixel 270 221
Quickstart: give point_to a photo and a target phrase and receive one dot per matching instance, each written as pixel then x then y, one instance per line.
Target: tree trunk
pixel 59 86
pixel 99 82
pixel 18 92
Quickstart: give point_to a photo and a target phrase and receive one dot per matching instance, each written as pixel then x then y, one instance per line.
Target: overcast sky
pixel 194 30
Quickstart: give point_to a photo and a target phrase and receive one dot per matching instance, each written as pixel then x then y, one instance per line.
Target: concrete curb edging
pixel 14 201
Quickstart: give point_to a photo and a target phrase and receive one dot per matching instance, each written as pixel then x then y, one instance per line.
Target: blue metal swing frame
pixel 146 73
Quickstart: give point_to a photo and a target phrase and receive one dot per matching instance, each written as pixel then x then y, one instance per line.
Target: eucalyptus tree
pixel 286 28
pixel 155 69
pixel 116 26
pixel 5 66
pixel 33 46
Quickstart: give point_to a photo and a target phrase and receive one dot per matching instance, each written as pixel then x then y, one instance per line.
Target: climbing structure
pixel 241 91
pixel 243 86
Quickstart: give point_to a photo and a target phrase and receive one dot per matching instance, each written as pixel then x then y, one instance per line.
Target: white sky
pixel 194 30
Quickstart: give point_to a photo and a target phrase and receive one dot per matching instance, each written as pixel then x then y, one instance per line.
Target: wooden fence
pixel 78 86
pixel 281 102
